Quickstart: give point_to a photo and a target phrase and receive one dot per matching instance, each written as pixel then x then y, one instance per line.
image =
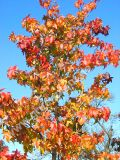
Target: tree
pixel 53 52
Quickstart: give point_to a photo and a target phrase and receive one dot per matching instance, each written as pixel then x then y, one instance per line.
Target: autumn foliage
pixel 53 52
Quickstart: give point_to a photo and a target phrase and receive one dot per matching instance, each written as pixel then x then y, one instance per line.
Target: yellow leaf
pixel 7 135
pixel 42 151
pixel 68 123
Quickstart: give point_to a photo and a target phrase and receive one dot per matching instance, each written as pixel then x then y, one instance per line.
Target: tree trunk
pixel 54 155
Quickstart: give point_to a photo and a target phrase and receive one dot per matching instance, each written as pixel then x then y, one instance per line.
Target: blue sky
pixel 11 15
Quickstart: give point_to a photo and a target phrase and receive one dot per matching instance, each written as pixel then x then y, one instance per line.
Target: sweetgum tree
pixel 53 52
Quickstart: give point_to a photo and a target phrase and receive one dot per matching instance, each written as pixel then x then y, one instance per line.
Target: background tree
pixel 5 155
pixel 111 133
pixel 53 52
